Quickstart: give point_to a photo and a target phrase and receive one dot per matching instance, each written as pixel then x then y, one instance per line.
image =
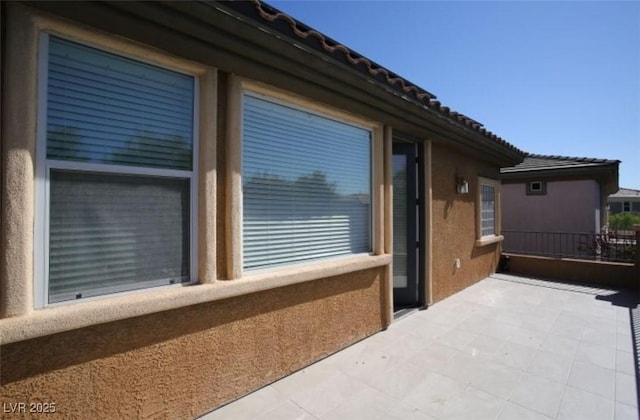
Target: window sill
pixel 58 319
pixel 488 240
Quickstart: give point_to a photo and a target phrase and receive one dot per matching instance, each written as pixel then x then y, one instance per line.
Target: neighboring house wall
pixel 617 205
pixel 454 224
pixel 567 206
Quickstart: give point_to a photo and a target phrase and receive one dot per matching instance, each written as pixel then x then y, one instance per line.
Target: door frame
pixel 423 149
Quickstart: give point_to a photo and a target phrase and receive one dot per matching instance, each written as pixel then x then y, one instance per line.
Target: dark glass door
pixel 405 226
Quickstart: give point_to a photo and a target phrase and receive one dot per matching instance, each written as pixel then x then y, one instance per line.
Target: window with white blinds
pixel 119 171
pixel 306 182
pixel 488 209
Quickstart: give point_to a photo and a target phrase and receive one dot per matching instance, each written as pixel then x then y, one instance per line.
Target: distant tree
pixel 143 147
pixel 624 221
pixel 313 184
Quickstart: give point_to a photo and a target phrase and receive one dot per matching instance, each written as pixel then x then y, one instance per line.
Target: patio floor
pixel 506 348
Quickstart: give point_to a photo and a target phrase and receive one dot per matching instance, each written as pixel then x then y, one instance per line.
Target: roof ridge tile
pixel 376 70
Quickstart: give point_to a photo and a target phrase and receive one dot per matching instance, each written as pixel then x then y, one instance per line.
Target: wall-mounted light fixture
pixel 462 186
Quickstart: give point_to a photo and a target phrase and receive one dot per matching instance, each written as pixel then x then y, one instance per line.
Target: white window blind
pixel 488 210
pixel 111 233
pixel 103 108
pixel 306 185
pixel 119 165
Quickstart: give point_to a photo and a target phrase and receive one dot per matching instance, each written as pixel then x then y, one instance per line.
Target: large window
pixel 306 183
pixel 116 162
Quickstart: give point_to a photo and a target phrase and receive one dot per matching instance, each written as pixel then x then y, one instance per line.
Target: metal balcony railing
pixel 611 246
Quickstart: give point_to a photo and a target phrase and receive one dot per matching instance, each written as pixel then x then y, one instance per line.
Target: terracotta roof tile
pixel 286 23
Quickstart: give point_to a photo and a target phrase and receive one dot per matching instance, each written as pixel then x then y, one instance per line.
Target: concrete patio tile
pixel 550 366
pixel 457 338
pixel 625 412
pixel 593 378
pixel 541 320
pixel 515 412
pixel 484 346
pixel 305 378
pixel 582 405
pixel 329 394
pixel 600 335
pixel 569 325
pixel 481 404
pixel 433 393
pixel 253 405
pixel 368 364
pixel 538 394
pixel 499 329
pixel 433 355
pixel 404 412
pixel 623 328
pixel 460 367
pixel 604 311
pixel 562 346
pixel 624 342
pixel 367 404
pixel 528 337
pixel 397 379
pixel 449 318
pixel 625 362
pixel 430 330
pixel 411 345
pixel 626 391
pixel 495 378
pixel 285 411
pixel 515 355
pixel 603 356
pixel 474 323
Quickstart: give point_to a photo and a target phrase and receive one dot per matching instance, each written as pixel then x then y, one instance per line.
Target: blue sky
pixel 550 77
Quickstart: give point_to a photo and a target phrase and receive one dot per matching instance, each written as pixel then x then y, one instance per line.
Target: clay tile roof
pixel 315 39
pixel 534 162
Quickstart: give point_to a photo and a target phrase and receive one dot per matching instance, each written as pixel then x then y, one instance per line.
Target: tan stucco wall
pixel 454 224
pixel 589 272
pixel 184 362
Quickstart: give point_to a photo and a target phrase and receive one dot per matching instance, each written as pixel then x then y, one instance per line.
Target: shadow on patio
pixel 508 347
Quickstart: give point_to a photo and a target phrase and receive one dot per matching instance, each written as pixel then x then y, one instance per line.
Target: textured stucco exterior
pixel 454 224
pixel 567 206
pixel 598 273
pixel 179 352
pixel 182 363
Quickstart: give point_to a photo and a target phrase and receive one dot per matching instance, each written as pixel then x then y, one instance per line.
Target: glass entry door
pixel 405 226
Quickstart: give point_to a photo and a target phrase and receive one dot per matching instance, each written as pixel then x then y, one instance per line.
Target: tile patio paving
pixel 506 348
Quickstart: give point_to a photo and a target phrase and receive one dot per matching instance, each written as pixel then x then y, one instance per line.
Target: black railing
pixel 612 246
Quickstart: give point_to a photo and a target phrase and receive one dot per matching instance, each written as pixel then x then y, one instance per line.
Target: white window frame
pixel 277 99
pixel 234 218
pixel 44 167
pixel 626 204
pixel 481 239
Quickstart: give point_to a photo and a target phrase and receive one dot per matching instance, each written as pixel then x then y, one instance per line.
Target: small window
pixel 116 154
pixel 536 188
pixel 306 183
pixel 488 215
pixel 488 209
pixel 626 206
